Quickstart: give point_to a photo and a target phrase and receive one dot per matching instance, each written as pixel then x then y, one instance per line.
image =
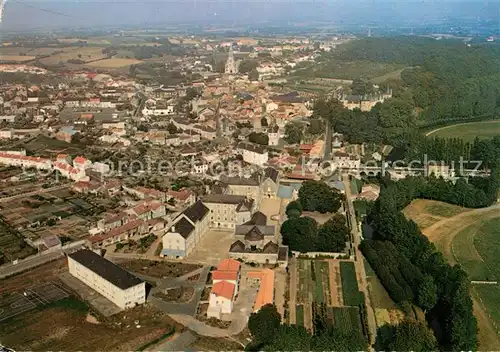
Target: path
pixel 359 263
pixel 29 263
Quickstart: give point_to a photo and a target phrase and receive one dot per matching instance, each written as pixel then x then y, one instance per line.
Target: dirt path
pixel 442 234
pixel 335 292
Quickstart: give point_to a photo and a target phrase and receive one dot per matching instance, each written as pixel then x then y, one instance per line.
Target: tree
pixel 300 233
pixel 247 65
pixel 333 235
pixel 253 75
pixel 265 323
pixel 293 206
pixel 172 129
pixel 318 196
pixel 294 132
pixel 407 336
pixel 259 138
pixel 290 338
pixel 263 122
pixel 360 87
pixel 427 293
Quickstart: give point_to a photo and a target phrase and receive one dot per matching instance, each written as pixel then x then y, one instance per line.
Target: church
pixel 231 67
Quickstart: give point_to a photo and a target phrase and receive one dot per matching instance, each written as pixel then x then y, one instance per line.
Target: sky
pixel 26 14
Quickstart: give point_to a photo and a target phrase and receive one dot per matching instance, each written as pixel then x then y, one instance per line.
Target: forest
pixel 447 80
pixel 410 267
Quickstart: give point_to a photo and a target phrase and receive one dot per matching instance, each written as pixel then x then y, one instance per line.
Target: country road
pixel 360 265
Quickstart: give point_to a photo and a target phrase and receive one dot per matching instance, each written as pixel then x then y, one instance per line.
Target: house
pixel 227 210
pixel 221 299
pixel 225 282
pixel 144 192
pixel 148 210
pixel 131 230
pixel 182 198
pixel 81 163
pixel 270 183
pixel 244 186
pixel 346 161
pixel 108 279
pixel 186 231
pixel 253 153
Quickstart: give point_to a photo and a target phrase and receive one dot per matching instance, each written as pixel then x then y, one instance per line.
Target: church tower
pixel 230 63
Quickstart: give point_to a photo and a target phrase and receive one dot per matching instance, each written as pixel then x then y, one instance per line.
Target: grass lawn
pixel 379 296
pixel 468 131
pixel 487 243
pixel 426 212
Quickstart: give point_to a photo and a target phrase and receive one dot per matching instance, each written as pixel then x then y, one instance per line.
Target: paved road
pixel 29 263
pixel 359 263
pixel 188 308
pixel 179 342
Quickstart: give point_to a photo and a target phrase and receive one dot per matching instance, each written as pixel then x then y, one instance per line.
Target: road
pixel 29 194
pixel 29 263
pixel 359 263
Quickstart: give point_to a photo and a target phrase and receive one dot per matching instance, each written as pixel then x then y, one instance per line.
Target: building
pixel 231 67
pixel 256 242
pixel 265 295
pixel 253 153
pixel 227 211
pixel 244 186
pixel 270 183
pixel 116 284
pixel 186 231
pixel 364 102
pixel 225 282
pixel 345 161
pixel 438 171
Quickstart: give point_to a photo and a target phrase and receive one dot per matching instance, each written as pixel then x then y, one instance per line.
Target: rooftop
pixel 109 271
pixel 224 289
pixel 229 265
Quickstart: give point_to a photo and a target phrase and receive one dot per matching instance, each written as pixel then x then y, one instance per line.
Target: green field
pixel 468 131
pixel 477 249
pixel 350 289
pixel 299 311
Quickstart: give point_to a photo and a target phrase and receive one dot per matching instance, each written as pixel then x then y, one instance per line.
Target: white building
pixel 346 161
pixel 116 284
pixel 253 153
pixel 227 211
pixel 186 232
pixel 158 112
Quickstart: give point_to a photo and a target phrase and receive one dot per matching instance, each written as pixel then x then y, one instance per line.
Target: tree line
pixel 270 335
pixel 410 267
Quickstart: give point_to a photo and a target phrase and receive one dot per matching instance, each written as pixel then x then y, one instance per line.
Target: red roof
pixel 225 275
pixel 80 160
pixel 229 265
pixel 179 195
pixel 117 231
pixel 224 289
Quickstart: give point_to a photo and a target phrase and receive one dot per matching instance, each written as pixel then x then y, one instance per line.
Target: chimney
pixel 172 229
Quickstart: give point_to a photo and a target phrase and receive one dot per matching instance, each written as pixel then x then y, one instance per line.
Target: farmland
pixel 323 291
pixel 468 131
pixel 427 212
pixel 85 54
pixel 12 244
pixel 16 58
pixel 113 63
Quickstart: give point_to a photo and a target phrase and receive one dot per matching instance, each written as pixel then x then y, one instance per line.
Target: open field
pixel 159 269
pixel 12 245
pixel 113 63
pixel 427 212
pixel 391 75
pixel 85 54
pixel 91 41
pixel 468 131
pixel 16 58
pixel 463 240
pixel 49 317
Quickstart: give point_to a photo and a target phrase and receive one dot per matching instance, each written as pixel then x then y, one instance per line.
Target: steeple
pixel 230 63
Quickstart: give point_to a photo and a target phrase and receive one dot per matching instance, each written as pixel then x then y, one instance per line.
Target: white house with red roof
pixel 224 289
pixel 68 171
pixel 81 163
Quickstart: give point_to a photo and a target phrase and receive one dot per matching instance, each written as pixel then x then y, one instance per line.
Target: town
pixel 215 193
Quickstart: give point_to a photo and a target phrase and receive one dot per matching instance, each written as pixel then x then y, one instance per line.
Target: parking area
pixel 16 303
pixel 213 247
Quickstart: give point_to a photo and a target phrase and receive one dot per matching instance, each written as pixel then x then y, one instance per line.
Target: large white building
pixel 227 210
pixel 186 232
pixel 113 282
pixel 253 153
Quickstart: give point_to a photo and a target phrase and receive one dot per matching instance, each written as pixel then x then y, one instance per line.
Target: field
pixel 327 287
pixel 113 63
pixel 391 75
pixel 471 239
pixel 85 54
pixel 16 58
pixel 12 245
pixel 57 320
pixel 428 212
pixel 468 131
